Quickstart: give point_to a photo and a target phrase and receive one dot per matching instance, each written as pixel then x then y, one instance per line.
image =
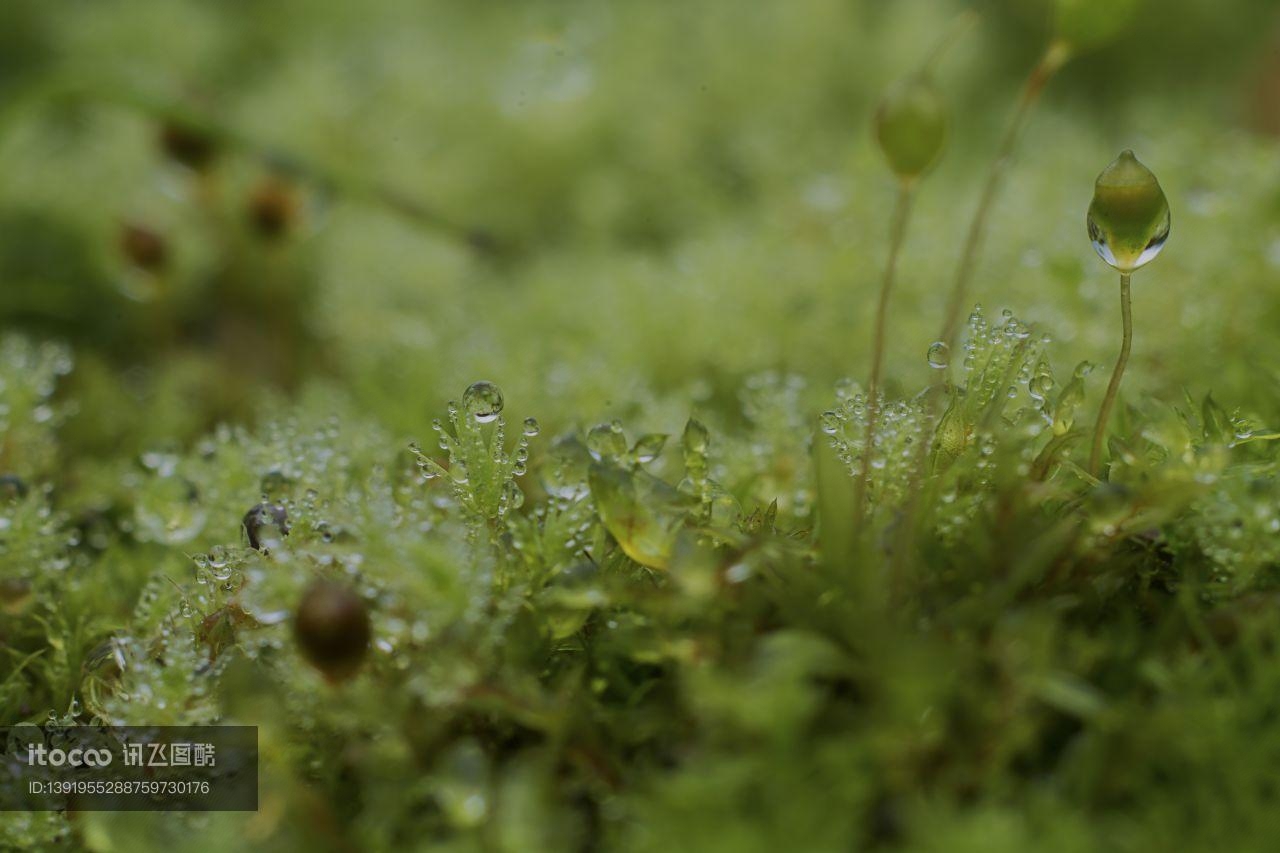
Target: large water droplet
pixel 483 401
pixel 939 355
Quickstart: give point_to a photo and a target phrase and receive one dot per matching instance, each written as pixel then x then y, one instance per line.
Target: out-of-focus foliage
pixel 250 251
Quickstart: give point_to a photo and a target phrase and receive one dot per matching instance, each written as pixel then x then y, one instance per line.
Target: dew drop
pixel 939 355
pixel 606 440
pixel 483 401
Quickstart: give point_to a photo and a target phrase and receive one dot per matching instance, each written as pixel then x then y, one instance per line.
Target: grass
pixel 642 621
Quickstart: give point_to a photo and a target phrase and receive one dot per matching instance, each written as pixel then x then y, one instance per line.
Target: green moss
pixel 640 621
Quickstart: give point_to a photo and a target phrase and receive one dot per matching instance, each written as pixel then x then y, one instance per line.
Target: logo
pixel 38 753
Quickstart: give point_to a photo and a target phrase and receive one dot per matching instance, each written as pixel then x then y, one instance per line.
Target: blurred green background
pixel 600 205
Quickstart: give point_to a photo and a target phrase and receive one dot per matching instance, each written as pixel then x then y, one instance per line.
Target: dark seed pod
pixel 15 595
pixel 332 629
pixel 273 208
pixel 12 487
pixel 261 520
pixel 144 248
pixel 187 145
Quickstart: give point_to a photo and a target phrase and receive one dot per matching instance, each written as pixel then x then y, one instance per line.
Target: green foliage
pixel 643 621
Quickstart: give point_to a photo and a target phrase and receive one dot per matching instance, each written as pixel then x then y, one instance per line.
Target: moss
pixel 616 604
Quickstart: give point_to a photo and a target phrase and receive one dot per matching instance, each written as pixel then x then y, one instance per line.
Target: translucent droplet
pixel 648 447
pixel 483 401
pixel 531 427
pixel 939 355
pixel 606 441
pixel 830 423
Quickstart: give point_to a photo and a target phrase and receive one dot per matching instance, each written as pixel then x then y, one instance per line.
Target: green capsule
pixel 1085 24
pixel 911 126
pixel 1129 216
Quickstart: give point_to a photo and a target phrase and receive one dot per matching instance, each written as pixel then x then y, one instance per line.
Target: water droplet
pixel 830 423
pixel 483 401
pixel 531 427
pixel 606 440
pixel 648 447
pixel 265 523
pixel 512 495
pixel 939 355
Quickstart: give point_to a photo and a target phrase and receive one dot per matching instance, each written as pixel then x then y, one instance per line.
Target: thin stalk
pixel 959 24
pixel 1126 344
pixel 897 234
pixel 1055 56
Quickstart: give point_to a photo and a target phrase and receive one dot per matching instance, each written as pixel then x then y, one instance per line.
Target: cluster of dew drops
pixel 482 404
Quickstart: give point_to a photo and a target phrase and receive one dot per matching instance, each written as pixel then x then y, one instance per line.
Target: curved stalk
pixel 1055 56
pixel 897 233
pixel 1126 344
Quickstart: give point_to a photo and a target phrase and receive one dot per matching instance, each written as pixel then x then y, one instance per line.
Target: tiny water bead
pixel 483 401
pixel 332 629
pixel 939 355
pixel 265 522
pixel 1128 220
pixel 648 447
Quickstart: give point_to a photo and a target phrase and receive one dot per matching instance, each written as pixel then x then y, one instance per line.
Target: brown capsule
pixel 15 595
pixel 12 487
pixel 190 146
pixel 264 520
pixel 273 208
pixel 332 629
pixel 144 248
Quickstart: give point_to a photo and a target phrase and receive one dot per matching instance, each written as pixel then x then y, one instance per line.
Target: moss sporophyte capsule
pixel 911 126
pixel 332 629
pixel 1128 219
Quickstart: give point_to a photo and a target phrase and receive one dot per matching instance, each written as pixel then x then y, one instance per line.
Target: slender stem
pixel 1104 414
pixel 959 24
pixel 1055 56
pixel 897 233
